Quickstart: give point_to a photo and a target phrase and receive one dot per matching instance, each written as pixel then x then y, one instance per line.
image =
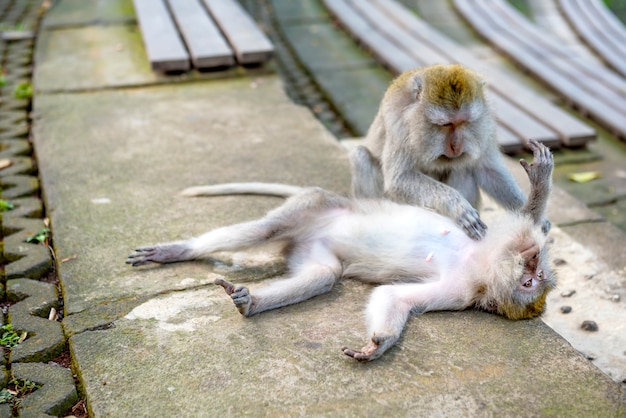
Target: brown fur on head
pixel 451 86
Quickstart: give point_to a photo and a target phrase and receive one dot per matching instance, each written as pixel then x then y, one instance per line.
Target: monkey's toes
pixel 229 288
pixel 141 256
pixel 355 354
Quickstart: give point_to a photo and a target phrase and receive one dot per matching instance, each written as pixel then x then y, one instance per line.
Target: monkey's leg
pixel 367 177
pixel 276 225
pixel 229 238
pixel 390 307
pixel 315 277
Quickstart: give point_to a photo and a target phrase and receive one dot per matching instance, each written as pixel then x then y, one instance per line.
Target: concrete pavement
pixel 115 144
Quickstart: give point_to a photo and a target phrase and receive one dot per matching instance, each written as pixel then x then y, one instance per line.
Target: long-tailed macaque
pixel 433 144
pixel 423 260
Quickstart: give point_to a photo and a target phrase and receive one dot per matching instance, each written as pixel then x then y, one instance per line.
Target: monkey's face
pixel 531 287
pixel 453 136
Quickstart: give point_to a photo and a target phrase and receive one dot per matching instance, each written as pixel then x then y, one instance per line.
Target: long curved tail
pixel 264 189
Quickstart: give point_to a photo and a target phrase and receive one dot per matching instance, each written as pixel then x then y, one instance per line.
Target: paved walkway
pixel 115 144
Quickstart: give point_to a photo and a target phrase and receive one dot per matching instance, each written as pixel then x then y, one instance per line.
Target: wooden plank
pixel 571 130
pixel 251 46
pixel 206 45
pixel 522 124
pixel 509 43
pixel 509 142
pixel 593 23
pixel 164 47
pixel 384 50
pixel 596 79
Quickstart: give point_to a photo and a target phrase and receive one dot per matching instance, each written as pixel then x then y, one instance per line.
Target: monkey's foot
pixel 239 294
pixel 371 351
pixel 161 254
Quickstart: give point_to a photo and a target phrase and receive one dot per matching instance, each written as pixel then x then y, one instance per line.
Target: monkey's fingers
pixel 229 288
pixel 141 256
pixel 473 226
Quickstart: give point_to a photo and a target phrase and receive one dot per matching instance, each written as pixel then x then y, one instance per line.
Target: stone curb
pixel 14 147
pixel 45 337
pixel 28 261
pixel 55 396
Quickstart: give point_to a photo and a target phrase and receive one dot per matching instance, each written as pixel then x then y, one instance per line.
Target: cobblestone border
pixel 27 299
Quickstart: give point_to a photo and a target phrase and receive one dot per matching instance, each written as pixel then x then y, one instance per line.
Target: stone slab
pixel 202 358
pixel 80 13
pixel 91 57
pixel 113 163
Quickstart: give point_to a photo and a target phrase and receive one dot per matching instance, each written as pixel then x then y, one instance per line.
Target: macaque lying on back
pixel 424 261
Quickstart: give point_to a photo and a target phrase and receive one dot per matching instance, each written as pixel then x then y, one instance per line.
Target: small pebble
pixel 590 357
pixel 590 326
pixel 568 293
pixel 616 298
pixel 566 309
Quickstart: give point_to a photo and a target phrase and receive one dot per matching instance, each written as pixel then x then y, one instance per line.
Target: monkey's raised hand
pixel 540 174
pixel 540 169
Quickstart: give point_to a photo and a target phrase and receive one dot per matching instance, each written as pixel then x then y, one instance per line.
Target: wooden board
pixel 206 45
pixel 251 46
pixel 384 50
pixel 164 46
pixel 509 38
pixel 599 28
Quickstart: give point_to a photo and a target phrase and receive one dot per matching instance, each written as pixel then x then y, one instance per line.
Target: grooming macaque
pixel 433 144
pixel 423 260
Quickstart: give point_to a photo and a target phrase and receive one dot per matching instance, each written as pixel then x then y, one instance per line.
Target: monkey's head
pixel 450 115
pixel 521 281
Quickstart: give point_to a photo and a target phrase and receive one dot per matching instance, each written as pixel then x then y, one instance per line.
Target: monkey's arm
pixel 390 307
pixel 405 184
pixel 367 177
pixel 498 182
pixel 540 176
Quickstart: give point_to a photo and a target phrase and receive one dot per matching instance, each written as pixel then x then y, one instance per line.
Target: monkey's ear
pixel 417 83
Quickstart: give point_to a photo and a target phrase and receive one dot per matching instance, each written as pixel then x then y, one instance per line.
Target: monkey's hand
pixel 160 254
pixel 372 350
pixel 539 173
pixel 540 170
pixel 471 223
pixel 239 294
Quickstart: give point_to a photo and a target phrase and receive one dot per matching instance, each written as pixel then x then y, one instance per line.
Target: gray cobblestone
pixel 14 147
pixel 19 186
pixel 26 259
pixel 56 395
pixel 45 337
pixel 20 165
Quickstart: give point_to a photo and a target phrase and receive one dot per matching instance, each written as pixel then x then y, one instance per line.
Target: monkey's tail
pixel 264 189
